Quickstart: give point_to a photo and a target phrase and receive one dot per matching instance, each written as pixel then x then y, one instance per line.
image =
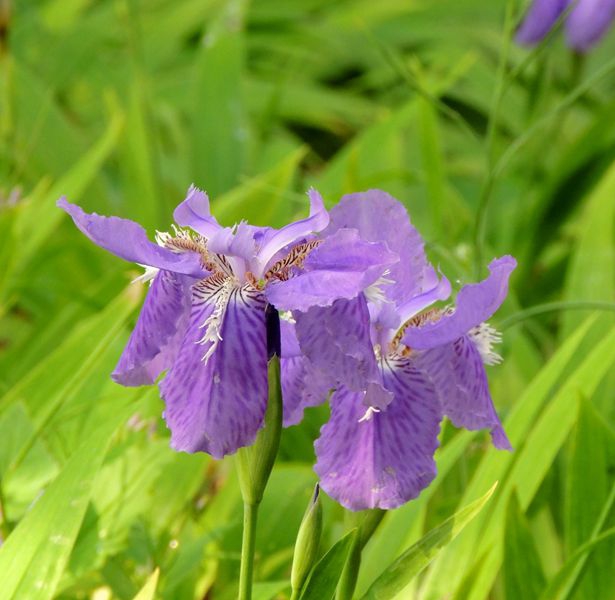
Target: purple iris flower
pixel 204 318
pixel 397 365
pixel 586 23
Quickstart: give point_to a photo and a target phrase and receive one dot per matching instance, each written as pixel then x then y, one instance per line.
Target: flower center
pixel 186 241
pixel 428 316
pixel 282 269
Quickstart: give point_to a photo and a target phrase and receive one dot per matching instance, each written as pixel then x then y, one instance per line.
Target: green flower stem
pixel 294 595
pixel 250 515
pixel 367 522
pixel 254 466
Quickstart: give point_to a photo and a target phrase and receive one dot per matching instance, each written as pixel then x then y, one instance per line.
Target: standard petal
pixel 386 460
pixel 154 342
pixel 588 21
pixel 459 376
pixel 217 405
pixel 341 267
pixel 439 289
pixel 128 240
pixel 541 17
pixel 316 221
pixel 234 242
pixel 337 341
pixel 194 212
pixel 475 303
pixel 381 218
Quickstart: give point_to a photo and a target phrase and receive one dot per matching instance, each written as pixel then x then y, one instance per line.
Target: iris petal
pixel 155 340
pixel 475 304
pixel 588 21
pixel 302 384
pixel 337 342
pixel 387 460
pixel 217 405
pixel 317 221
pixel 541 17
pixel 441 290
pixel 379 217
pixel 341 267
pixel 302 387
pixel 128 240
pixel 194 212
pixel 458 373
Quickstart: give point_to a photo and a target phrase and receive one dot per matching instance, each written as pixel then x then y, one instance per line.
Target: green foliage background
pixel 494 149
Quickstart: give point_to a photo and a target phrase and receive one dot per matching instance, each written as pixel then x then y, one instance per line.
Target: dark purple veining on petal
pixel 387 460
pixel 337 341
pixel 218 405
pixel 459 376
pixel 154 342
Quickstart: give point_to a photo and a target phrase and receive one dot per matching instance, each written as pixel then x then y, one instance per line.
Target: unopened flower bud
pixel 308 540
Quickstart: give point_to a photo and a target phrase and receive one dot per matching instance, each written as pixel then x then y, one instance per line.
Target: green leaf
pixel 149 589
pixel 523 575
pixel 138 158
pixel 40 216
pixel 433 164
pixel 401 572
pixel 57 380
pixel 266 590
pixel 552 428
pixel 328 570
pixel 34 556
pixel 260 200
pixel 591 275
pixel 219 127
pixel 573 567
pixel 534 460
pixel 393 534
pixel 587 491
pixel 37 216
pixel 447 572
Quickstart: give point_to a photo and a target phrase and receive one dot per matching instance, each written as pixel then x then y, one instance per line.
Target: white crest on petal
pixel 150 273
pixel 484 336
pixel 213 323
pixel 374 292
pixel 287 315
pixel 369 413
pixel 162 238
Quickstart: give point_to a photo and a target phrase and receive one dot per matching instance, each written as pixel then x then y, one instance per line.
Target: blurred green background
pixel 494 149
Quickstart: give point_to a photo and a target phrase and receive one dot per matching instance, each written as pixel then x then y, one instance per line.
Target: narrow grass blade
pixel 148 591
pixel 448 570
pixel 587 490
pixel 34 556
pixel 523 574
pixel 399 574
